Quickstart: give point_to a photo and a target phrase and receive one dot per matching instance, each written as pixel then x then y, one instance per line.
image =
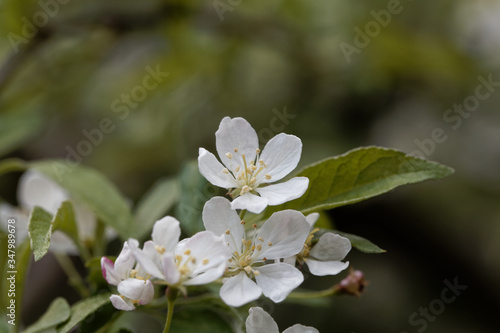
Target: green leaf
pixel 92 188
pixel 11 165
pixel 22 258
pixel 82 309
pixel 39 231
pixel 17 128
pixel 195 190
pixel 198 320
pixel 58 312
pixel 65 221
pixel 360 243
pixel 161 197
pixel 358 175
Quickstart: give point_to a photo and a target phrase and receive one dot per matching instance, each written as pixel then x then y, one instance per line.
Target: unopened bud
pixel 353 284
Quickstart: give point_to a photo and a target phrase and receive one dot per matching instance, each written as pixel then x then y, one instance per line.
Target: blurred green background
pixel 164 73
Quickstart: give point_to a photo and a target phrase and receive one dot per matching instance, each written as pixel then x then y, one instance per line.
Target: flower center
pixel 247 173
pixel 186 263
pixel 248 257
pixel 304 254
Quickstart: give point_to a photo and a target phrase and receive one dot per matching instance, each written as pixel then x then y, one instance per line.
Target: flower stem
pixel 171 296
pixel 335 290
pixel 242 214
pixel 74 277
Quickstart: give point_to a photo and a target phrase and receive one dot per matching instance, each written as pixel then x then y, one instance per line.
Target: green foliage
pixel 57 313
pixel 197 320
pixel 360 243
pixel 82 309
pixel 159 200
pixel 358 175
pixel 16 128
pixel 93 189
pixel 40 230
pixel 11 165
pixel 195 190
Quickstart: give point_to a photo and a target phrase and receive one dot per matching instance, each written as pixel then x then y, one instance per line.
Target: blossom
pixel 324 258
pixel 197 260
pixel 36 189
pixel 133 284
pixel 259 321
pixel 247 172
pixel 249 272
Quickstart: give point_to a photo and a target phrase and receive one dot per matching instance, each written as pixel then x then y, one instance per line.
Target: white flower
pixel 133 284
pixel 282 235
pixel 36 189
pixel 324 258
pixel 197 260
pixel 247 172
pixel 259 321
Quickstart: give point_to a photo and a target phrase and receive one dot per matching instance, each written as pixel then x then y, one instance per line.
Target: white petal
pixel 147 262
pixel 259 321
pixel 148 293
pixel 218 217
pixel 125 261
pixel 36 189
pixel 312 218
pixel 170 270
pixel 278 280
pixel 286 231
pixel 251 202
pixel 60 242
pixel 281 155
pixel 149 250
pixel 207 276
pixel 277 194
pixel 132 288
pixel 206 247
pixel 236 133
pixel 108 271
pixel 290 260
pixel 211 169
pixel 331 247
pixel 166 233
pixel 322 268
pixel 297 328
pixel 121 304
pixel 85 219
pixel 239 290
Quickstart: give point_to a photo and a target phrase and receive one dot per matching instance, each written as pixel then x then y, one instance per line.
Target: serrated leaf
pixel 195 190
pixel 161 197
pixel 82 309
pixel 94 189
pixel 39 231
pixel 358 175
pixel 58 312
pixel 65 221
pixel 360 243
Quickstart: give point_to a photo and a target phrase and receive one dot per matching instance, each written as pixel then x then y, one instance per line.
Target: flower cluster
pixel 164 260
pixel 251 260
